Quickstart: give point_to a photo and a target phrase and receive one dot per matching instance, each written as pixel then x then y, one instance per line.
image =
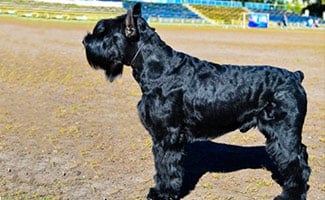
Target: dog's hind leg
pixel 293 168
pixel 281 123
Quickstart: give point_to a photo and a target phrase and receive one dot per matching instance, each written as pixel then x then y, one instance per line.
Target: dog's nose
pixel 86 39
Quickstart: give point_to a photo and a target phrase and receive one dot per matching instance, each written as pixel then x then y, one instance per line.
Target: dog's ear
pixel 137 10
pixel 130 25
pixel 130 22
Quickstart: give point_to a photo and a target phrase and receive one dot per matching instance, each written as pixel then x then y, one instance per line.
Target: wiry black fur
pixel 185 98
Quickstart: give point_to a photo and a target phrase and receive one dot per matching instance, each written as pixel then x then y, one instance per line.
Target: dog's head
pixel 112 42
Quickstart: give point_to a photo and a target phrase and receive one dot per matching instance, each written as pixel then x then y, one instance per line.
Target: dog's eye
pixel 100 30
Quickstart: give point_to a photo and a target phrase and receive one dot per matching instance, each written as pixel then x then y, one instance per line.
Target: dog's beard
pixel 97 57
pixel 112 68
pixel 113 71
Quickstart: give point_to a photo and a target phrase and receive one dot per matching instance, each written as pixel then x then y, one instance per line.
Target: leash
pixel 140 48
pixel 136 54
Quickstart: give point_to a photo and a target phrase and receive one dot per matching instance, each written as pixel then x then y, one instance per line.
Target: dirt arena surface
pixel 67 133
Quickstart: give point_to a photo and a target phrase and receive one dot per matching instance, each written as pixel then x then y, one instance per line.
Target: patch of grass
pixel 12 127
pixel 322 188
pixel 216 176
pixel 70 130
pixel 24 195
pixel 264 183
pixel 208 186
pixel 57 11
pixel 147 143
pixel 243 138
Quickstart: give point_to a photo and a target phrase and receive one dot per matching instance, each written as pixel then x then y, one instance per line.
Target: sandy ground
pixel 67 133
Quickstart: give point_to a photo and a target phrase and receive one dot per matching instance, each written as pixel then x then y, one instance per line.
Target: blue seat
pixel 164 10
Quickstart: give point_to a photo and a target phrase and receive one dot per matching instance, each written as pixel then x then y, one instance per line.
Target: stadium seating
pixel 208 11
pixel 225 3
pixel 220 14
pixel 158 10
pixel 277 16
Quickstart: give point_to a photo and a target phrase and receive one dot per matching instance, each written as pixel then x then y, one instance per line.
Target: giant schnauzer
pixel 185 99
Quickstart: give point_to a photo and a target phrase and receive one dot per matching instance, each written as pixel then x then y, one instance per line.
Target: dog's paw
pixel 154 194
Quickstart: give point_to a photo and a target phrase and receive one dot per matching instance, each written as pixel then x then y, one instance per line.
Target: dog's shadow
pixel 206 156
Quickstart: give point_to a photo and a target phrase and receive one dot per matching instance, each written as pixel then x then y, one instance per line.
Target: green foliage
pixel 295 7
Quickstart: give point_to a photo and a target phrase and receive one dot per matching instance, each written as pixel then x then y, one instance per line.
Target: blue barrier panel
pixel 259 6
pixel 160 1
pixel 258 20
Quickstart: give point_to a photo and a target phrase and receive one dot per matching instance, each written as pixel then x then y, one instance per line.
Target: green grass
pixel 55 11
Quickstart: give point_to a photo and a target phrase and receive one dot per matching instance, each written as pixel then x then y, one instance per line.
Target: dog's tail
pixel 299 75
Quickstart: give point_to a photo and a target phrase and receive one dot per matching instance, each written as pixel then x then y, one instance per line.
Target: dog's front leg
pixel 169 176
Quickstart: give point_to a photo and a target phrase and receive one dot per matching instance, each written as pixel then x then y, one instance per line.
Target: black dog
pixel 185 98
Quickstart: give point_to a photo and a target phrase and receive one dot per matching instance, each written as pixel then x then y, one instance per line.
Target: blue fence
pixel 258 6
pixel 160 1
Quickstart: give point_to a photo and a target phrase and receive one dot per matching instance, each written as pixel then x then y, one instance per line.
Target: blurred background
pixel 226 13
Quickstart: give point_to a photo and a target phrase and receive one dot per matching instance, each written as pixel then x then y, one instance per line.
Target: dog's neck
pixel 140 45
pixel 151 60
